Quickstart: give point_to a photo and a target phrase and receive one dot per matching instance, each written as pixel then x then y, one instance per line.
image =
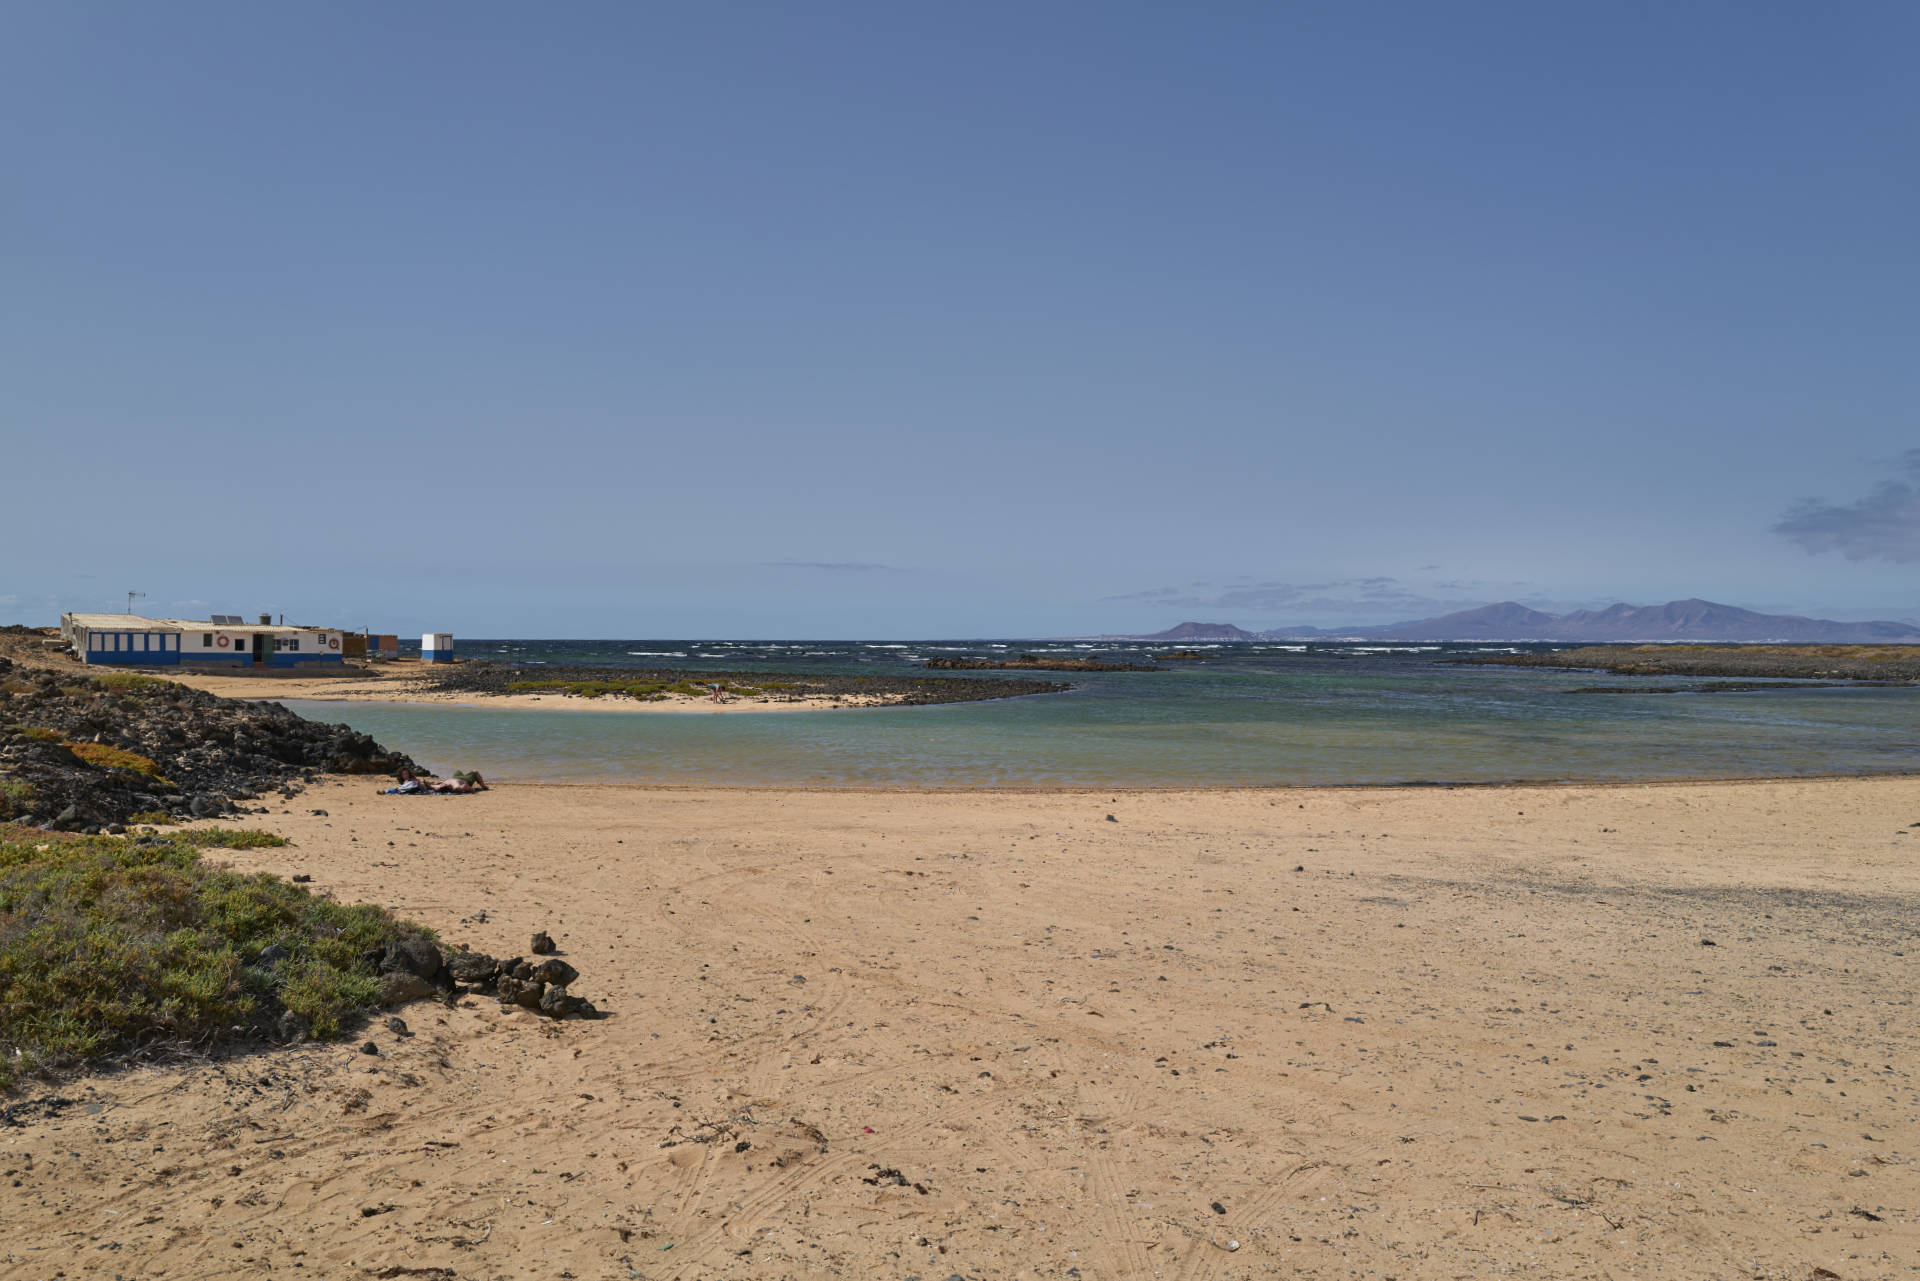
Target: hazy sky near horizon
pixel 915 320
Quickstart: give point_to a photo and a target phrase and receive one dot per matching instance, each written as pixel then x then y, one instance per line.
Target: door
pixel 260 642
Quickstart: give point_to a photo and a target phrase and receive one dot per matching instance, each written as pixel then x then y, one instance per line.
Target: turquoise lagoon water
pixel 1247 715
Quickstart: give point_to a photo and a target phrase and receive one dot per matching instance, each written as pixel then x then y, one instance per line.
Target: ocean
pixel 1247 714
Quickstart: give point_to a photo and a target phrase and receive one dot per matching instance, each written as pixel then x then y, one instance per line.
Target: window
pixel 240 644
pixel 206 640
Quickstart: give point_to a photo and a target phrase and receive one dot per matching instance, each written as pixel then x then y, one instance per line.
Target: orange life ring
pixel 223 642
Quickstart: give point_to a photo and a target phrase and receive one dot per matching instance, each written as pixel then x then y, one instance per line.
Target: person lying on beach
pixel 463 782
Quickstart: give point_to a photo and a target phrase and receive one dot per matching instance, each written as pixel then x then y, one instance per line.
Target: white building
pixel 223 644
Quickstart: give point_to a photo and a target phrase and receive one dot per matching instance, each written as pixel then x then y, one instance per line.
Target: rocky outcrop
pixel 85 753
pixel 1037 662
pixel 765 687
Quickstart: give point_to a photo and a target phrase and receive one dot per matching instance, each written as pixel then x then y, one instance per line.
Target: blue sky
pixel 907 320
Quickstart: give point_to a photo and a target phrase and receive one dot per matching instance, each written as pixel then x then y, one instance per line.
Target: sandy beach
pixel 1660 1031
pixel 405 683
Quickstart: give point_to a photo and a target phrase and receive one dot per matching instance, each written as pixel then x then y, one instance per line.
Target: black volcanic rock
pixel 81 754
pixel 486 678
pixel 1035 662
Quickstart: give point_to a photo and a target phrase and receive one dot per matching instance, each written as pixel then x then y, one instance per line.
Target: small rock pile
pixel 206 752
pixel 414 969
pixel 532 985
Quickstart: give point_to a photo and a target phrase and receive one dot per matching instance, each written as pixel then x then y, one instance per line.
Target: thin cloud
pixel 1378 595
pixel 834 566
pixel 1885 525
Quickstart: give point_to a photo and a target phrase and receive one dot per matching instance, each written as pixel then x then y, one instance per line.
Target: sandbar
pixel 405 683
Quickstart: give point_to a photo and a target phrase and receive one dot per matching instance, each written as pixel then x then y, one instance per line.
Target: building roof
pixel 270 629
pixel 136 623
pixel 118 622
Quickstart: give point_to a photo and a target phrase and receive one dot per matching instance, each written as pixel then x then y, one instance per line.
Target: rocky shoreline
pixel 1886 664
pixel 501 679
pixel 1036 663
pixel 93 753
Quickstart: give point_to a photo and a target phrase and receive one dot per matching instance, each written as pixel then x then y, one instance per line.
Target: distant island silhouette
pixel 1677 620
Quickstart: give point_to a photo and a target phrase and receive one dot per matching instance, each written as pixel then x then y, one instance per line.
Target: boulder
pixel 476 968
pixel 556 1003
pixel 555 971
pixel 522 992
pixel 417 956
pixel 542 944
pixel 400 987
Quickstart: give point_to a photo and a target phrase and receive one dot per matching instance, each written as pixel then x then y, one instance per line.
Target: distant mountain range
pixel 1677 620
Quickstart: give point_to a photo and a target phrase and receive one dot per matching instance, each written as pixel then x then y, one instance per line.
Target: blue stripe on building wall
pixel 135 658
pixel 173 658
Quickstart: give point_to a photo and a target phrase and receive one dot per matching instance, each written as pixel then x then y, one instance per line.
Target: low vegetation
pixel 652 691
pixel 109 946
pixel 115 758
pixel 1803 662
pixel 16 799
pixel 230 838
pixel 127 682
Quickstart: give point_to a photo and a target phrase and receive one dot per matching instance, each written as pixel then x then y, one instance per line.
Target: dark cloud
pixel 1885 525
pixel 834 566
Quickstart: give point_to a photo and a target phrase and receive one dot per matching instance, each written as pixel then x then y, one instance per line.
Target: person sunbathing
pixel 408 785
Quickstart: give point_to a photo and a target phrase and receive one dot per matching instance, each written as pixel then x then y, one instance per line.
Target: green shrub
pixel 229 838
pixel 105 757
pixel 590 689
pixel 42 734
pixel 16 798
pixel 128 682
pixel 150 816
pixel 106 945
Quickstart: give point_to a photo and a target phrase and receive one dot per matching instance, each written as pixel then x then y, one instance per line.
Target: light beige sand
pixel 1407 1034
pixel 403 683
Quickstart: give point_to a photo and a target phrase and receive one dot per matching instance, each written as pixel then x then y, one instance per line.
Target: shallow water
pixel 1248 715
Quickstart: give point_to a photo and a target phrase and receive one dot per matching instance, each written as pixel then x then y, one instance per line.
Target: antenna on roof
pixel 130 596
